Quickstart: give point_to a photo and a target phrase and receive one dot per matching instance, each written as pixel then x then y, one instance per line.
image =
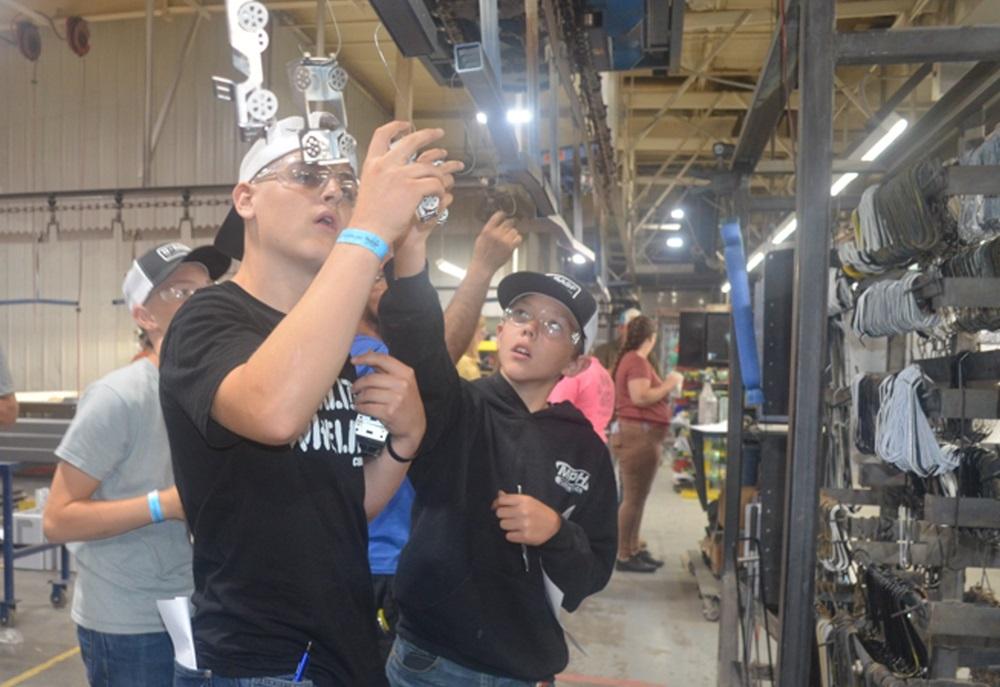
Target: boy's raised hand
pixel 392 186
pixel 495 243
pixel 410 249
pixel 525 519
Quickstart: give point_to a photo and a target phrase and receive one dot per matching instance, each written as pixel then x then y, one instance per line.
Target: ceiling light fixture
pixel 518 115
pixel 790 225
pixel 894 132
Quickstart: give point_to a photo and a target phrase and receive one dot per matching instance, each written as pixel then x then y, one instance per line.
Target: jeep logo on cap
pixel 567 283
pixel 172 251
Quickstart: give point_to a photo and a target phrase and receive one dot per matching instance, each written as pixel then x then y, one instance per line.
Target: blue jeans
pixel 411 666
pixel 185 677
pixel 116 660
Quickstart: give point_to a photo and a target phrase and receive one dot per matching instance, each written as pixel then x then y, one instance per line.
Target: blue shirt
pixel 389 532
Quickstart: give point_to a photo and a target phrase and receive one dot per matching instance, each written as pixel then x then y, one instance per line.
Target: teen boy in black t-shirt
pixel 257 396
pixel 511 493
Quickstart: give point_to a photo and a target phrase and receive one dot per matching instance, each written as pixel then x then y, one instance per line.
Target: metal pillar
pixel 816 68
pixel 730 615
pixel 489 31
pixel 147 121
pixel 169 101
pixel 403 104
pixel 9 603
pixel 577 186
pixel 554 171
pixel 531 75
pixel 320 28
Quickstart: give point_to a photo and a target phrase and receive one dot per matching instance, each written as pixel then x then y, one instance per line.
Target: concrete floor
pixel 642 631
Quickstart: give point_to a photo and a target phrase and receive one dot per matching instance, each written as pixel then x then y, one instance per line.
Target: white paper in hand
pixel 176 614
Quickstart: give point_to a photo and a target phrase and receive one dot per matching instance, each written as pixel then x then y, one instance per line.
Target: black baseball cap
pixel 153 267
pixel 564 289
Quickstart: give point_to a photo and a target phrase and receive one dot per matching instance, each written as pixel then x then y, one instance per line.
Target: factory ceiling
pixel 674 121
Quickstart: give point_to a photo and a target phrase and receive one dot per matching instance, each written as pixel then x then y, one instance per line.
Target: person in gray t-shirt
pixel 113 492
pixel 8 402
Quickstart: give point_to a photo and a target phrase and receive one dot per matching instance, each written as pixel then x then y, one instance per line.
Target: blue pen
pixel 303 662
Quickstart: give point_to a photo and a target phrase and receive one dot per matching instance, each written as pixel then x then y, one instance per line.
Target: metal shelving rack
pixel 814 50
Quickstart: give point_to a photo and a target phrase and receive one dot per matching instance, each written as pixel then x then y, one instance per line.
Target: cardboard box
pixel 747 495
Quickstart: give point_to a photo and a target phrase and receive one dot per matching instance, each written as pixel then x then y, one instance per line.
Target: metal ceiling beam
pixel 669 161
pixel 652 98
pixel 939 44
pixel 565 74
pixel 851 97
pixel 846 9
pixel 771 96
pixel 903 92
pixel 670 144
pixel 839 167
pixel 663 181
pixel 967 97
pixel 691 80
pixel 672 185
pixel 180 10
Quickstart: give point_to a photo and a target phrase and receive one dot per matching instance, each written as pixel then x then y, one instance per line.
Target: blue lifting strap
pixel 746 344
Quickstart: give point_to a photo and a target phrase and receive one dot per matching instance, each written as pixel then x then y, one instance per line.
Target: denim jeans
pixel 185 677
pixel 411 666
pixel 117 660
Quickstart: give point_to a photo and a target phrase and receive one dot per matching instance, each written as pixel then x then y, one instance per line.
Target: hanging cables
pixel 903 436
pixel 381 56
pixel 893 605
pixel 864 408
pixel 981 260
pixel 900 220
pixel 835 541
pixel 980 215
pixel 336 27
pixel 891 307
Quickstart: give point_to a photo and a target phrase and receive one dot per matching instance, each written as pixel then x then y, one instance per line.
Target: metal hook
pixel 117 224
pixel 52 228
pixel 186 224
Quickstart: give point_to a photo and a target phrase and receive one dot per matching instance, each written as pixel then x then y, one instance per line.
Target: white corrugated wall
pixel 71 123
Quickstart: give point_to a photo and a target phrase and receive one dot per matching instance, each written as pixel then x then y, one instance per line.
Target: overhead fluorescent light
pixel 894 132
pixel 788 226
pixel 518 115
pixel 787 229
pixel 842 182
pixel 754 260
pixel 450 268
pixel 482 118
pixel 726 287
pixel 578 259
pixel 675 242
pixel 662 226
pixel 677 213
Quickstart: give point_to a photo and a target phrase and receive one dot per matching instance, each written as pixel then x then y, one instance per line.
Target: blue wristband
pixel 153 499
pixel 365 239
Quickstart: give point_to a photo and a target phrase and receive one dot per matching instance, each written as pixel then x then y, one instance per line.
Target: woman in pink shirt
pixel 643 418
pixel 592 392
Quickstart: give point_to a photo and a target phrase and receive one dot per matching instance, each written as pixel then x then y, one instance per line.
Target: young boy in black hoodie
pixel 512 495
